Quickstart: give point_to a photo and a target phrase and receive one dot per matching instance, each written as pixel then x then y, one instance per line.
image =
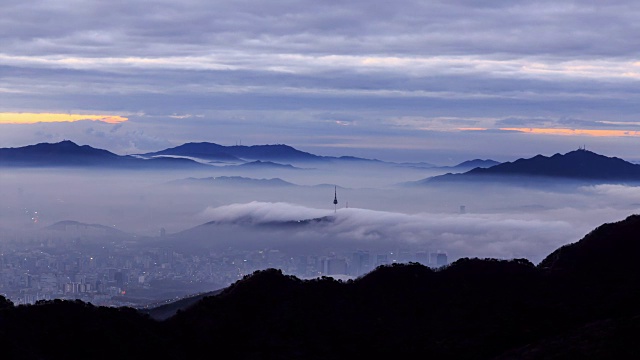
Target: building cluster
pixel 120 273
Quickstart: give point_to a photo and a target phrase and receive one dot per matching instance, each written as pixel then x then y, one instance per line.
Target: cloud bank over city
pixel 504 235
pixel 418 77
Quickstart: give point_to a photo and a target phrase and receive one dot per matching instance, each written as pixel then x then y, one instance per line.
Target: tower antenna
pixel 335 199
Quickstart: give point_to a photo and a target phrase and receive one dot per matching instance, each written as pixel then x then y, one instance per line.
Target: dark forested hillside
pixel 580 302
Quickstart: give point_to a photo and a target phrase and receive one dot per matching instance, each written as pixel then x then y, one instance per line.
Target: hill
pixel 85 229
pixel 580 302
pixel 259 164
pixel 170 308
pixel 69 154
pixel 578 165
pixel 203 150
pixel 212 151
pixel 273 153
pixel 233 181
pixel 56 154
pixel 476 163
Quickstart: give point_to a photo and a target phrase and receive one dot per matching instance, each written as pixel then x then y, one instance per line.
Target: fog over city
pixel 373 212
pixel 319 132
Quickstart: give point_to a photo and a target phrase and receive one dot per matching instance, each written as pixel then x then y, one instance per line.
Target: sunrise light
pixel 588 132
pixel 31 118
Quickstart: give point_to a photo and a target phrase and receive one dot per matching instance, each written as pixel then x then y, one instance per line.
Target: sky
pixel 408 80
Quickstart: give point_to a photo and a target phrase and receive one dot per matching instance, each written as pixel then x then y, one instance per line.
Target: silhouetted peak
pixel 201 144
pixel 235 180
pixel 237 152
pixel 270 146
pixel 65 224
pixel 261 283
pixel 488 268
pixel 611 248
pixel 578 164
pixel 396 274
pixel 267 164
pixel 62 148
pixel 67 143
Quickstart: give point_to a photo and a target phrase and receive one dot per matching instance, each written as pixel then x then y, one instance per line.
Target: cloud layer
pixel 459 235
pixel 349 74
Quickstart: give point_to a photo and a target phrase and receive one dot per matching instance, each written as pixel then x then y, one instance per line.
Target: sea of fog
pixel 373 210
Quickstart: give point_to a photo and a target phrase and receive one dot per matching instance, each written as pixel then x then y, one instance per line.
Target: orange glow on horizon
pixel 588 132
pixel 32 118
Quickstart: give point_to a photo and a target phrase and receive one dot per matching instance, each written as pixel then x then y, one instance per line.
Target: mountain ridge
pixel 579 165
pixel 213 151
pixel 69 154
pixel 234 180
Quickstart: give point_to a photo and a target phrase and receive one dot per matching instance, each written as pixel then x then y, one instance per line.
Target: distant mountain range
pixel 75 226
pixel 240 181
pixel 233 181
pixel 578 165
pixel 68 154
pixel 581 301
pixel 62 153
pixel 192 155
pixel 251 154
pixel 472 164
pixel 259 164
pixel 238 153
pixel 463 166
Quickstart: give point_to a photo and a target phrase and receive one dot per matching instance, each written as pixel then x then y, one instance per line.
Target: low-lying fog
pixel 372 212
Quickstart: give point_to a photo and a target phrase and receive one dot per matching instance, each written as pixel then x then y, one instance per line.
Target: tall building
pixel 422 257
pixel 334 266
pixel 404 256
pixel 359 263
pixel 441 259
pixel 382 259
pixel 438 259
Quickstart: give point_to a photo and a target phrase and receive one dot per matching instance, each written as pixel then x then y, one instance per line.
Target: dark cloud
pixel 153 28
pixel 291 66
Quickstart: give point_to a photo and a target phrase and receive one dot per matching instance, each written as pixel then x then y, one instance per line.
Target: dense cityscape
pixel 79 261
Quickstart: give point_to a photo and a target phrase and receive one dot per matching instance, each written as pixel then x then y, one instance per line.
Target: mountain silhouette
pixel 212 151
pixel 71 225
pixel 577 165
pixel 191 155
pixel 472 164
pixel 579 302
pixel 68 154
pixel 204 150
pixel 170 308
pixel 264 153
pixel 56 154
pixel 618 254
pixel 259 164
pixel 233 181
